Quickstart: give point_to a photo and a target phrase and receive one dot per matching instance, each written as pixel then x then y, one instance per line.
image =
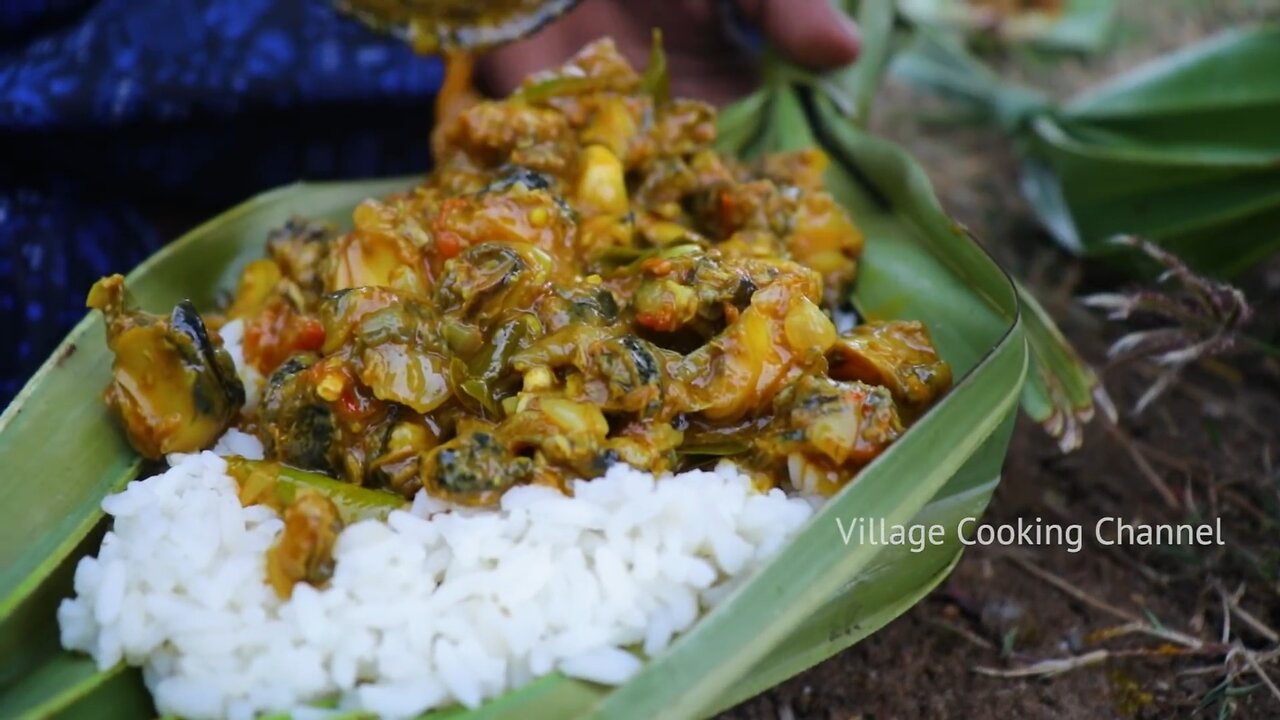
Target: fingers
pixel 502 69
pixel 811 32
pixel 499 71
pixel 705 64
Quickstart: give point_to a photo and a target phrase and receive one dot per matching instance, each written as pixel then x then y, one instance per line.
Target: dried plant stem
pixel 1232 604
pixel 1252 659
pixel 1187 645
pixel 1142 627
pixel 1202 319
pixel 963 632
pixel 1226 616
pixel 1163 457
pixel 1048 667
pixel 1057 666
pixel 1133 622
pixel 1072 590
pixel 1144 467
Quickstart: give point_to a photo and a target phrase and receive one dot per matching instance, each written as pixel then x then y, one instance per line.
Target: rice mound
pixel 432 607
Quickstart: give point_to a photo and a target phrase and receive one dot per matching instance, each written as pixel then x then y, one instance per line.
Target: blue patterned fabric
pixel 122 122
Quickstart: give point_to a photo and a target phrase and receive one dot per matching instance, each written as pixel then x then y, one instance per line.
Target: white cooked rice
pixel 432 607
pixel 232 335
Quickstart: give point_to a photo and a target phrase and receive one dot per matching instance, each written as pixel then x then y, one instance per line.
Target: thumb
pixel 811 32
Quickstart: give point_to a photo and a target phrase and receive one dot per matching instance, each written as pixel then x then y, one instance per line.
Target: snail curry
pixel 580 281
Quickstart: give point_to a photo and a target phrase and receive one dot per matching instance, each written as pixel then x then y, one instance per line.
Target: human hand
pixel 705 61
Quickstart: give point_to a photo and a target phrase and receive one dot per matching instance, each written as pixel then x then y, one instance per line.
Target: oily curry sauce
pixel 581 280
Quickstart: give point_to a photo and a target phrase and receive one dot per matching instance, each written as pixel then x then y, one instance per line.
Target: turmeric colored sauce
pixel 581 280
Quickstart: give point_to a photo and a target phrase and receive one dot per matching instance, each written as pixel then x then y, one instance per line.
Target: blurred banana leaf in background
pixel 1060 25
pixel 796 109
pixel 1183 151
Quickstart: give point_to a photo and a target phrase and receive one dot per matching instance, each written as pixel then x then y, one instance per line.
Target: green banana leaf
pixel 1182 151
pixel 1080 26
pixel 943 470
pixel 63 454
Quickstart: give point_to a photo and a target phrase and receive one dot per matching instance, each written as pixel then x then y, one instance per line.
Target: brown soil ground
pixel 1213 440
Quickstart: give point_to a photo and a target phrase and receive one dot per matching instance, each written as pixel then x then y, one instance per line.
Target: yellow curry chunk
pixel 897 355
pixel 172 385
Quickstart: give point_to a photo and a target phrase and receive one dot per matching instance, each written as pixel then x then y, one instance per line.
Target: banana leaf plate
pixel 61 454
